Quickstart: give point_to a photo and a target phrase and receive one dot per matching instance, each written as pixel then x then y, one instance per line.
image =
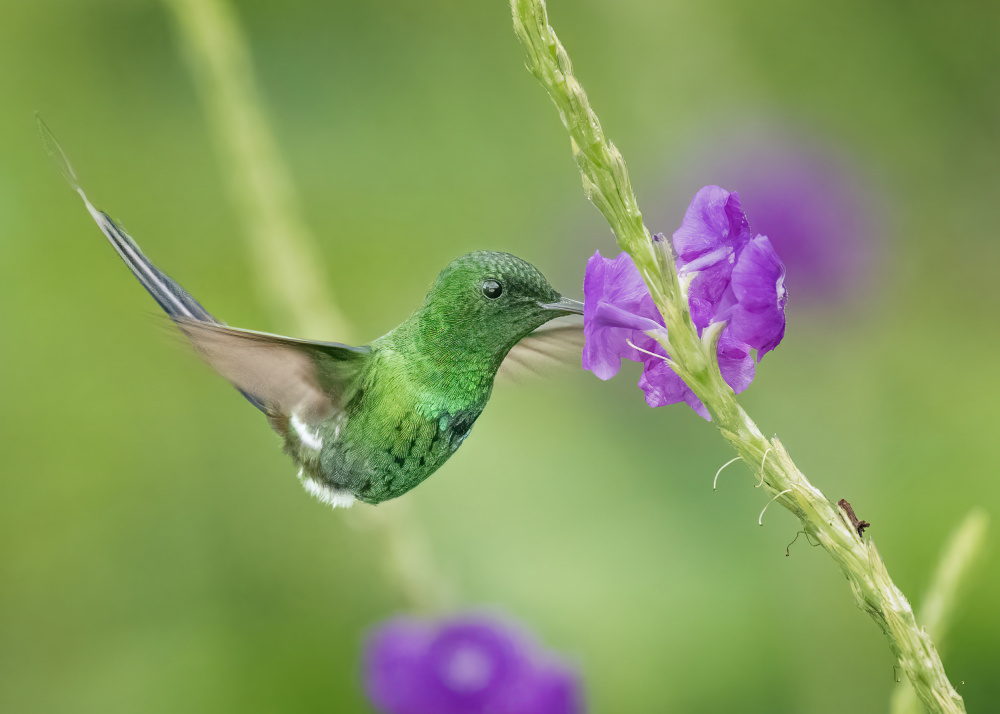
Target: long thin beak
pixel 565 306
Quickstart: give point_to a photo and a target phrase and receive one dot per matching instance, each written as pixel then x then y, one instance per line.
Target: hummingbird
pixel 370 423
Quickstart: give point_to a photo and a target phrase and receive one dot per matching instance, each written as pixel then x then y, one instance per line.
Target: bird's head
pixel 489 301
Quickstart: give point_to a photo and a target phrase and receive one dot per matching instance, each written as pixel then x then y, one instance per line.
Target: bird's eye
pixel 492 289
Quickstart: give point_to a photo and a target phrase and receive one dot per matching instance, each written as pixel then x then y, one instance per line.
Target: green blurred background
pixel 156 552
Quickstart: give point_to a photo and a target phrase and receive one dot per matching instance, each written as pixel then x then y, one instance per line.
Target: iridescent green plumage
pixel 419 389
pixel 372 422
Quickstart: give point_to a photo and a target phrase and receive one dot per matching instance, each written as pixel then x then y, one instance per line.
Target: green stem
pixel 606 183
pixel 286 257
pixel 961 553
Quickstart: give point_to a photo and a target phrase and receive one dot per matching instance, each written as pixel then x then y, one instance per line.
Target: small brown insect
pixel 859 526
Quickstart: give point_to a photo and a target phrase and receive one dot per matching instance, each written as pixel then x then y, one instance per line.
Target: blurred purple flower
pixel 819 207
pixel 467 665
pixel 732 277
pixel 816 215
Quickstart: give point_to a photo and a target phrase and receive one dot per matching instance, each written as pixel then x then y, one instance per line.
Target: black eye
pixel 492 289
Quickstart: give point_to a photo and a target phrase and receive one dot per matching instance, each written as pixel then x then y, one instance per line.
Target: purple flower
pixel 731 276
pixel 468 665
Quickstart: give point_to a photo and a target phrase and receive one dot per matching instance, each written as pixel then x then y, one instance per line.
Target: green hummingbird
pixel 371 422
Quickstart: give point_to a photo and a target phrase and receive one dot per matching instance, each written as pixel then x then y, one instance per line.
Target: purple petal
pixel 702 312
pixel 614 281
pixel 710 284
pixel 549 688
pixel 712 236
pixel 396 680
pixel 762 330
pixel 735 362
pixel 692 401
pixel 714 220
pixel 759 276
pixel 607 340
pixel 617 310
pixel 609 317
pixel 471 662
pixel 774 340
pixel 662 386
pixel 759 287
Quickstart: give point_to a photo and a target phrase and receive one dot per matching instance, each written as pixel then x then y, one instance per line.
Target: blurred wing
pixel 278 375
pixel 553 346
pixel 282 375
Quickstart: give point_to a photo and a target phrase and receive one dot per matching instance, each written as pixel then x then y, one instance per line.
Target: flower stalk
pixel 693 357
pixel 961 554
pixel 285 254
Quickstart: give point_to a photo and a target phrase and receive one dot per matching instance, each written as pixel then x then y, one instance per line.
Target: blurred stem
pixel 606 183
pixel 963 551
pixel 286 258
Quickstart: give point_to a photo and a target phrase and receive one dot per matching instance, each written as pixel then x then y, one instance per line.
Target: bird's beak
pixel 565 306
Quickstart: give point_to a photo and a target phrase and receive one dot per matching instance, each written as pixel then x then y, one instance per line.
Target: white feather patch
pixel 327 494
pixel 309 439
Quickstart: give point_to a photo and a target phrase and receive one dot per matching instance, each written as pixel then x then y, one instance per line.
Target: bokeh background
pixel 156 552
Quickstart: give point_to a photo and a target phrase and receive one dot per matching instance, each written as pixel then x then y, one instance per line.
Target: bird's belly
pixel 375 460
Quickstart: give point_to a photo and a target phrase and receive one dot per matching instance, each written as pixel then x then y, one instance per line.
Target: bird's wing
pixel 281 374
pixel 278 375
pixel 556 344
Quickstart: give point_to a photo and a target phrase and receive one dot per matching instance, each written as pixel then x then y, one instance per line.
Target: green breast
pixel 401 425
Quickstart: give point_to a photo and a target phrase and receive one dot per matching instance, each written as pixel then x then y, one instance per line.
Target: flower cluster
pixel 468 665
pixel 730 276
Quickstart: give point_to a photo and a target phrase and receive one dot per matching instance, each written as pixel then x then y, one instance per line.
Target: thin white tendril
pixel 761 483
pixel 715 483
pixel 760 519
pixel 651 354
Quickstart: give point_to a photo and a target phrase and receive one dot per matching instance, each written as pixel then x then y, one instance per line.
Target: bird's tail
pixel 174 299
pixel 186 312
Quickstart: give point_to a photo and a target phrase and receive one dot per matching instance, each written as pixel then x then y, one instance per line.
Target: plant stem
pixel 607 185
pixel 285 255
pixel 961 553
